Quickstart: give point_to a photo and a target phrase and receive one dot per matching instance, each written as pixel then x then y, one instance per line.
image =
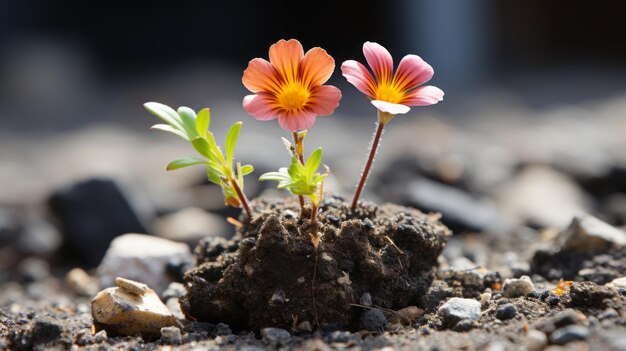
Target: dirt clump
pixel 269 275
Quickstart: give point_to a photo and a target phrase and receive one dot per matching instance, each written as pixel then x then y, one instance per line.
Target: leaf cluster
pixel 194 128
pixel 300 179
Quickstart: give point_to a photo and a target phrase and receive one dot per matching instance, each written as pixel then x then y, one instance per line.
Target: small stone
pixel 570 333
pixel 536 340
pixel 588 294
pixel 278 298
pixel 589 234
pixel 275 336
pixel 366 299
pixel 463 325
pixel 100 336
pixel 517 287
pixel 81 283
pixel 171 335
pixel 506 311
pixel 222 329
pixel 618 283
pixel 289 214
pixel 140 257
pixel 406 315
pixel 84 338
pixel 130 308
pixel 458 308
pixel 373 320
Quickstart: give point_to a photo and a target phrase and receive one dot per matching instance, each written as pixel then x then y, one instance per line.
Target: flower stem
pixel 242 197
pixel 299 150
pixel 370 160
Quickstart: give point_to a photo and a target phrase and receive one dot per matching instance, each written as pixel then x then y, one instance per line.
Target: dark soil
pixel 274 278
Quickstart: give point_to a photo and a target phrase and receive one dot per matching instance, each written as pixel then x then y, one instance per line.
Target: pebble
pixel 560 319
pixel 506 311
pixel 131 308
pixel 457 309
pixel 589 234
pixel 100 336
pixel 373 320
pixel 463 325
pixel 81 283
pixel 140 257
pixel 190 225
pixel 366 299
pixel 275 336
pixel 536 340
pixel 171 335
pixel 517 287
pixel 619 283
pixel 570 333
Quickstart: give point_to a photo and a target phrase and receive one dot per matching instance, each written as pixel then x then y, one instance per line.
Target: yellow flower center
pixel 389 93
pixel 293 96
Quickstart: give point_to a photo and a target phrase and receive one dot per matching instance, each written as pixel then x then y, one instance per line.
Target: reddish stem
pixel 242 197
pixel 368 165
pixel 297 148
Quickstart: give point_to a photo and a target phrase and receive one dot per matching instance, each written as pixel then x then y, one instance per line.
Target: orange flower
pixel 289 86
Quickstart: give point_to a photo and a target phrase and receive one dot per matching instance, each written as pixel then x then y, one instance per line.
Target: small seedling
pixel 194 128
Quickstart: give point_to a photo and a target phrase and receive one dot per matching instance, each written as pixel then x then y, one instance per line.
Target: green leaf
pixel 231 141
pixel 168 128
pixel 188 117
pixel 313 163
pixel 214 175
pixel 184 162
pixel 247 169
pixel 166 113
pixel 203 120
pixel 202 146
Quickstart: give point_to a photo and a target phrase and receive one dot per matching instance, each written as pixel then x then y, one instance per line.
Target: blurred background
pixel 531 132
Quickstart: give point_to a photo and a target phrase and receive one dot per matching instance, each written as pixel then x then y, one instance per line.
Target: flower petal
pixel 261 76
pixel 324 100
pixel 359 76
pixel 380 61
pixel 423 96
pixel 316 67
pixel 388 107
pixel 412 72
pixel 285 55
pixel 296 121
pixel 261 106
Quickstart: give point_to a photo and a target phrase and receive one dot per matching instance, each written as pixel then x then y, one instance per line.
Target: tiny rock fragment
pixel 81 283
pixel 131 308
pixel 618 283
pixel 171 335
pixel 457 309
pixel 406 315
pixel 517 287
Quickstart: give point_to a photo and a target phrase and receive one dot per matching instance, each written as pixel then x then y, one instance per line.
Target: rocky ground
pixel 537 260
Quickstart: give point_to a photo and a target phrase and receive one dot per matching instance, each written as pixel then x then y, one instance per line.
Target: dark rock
pixel 535 294
pixel 92 213
pixel 222 329
pixel 588 294
pixel 463 325
pixel 567 334
pixel 506 311
pixel 275 336
pixel 373 320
